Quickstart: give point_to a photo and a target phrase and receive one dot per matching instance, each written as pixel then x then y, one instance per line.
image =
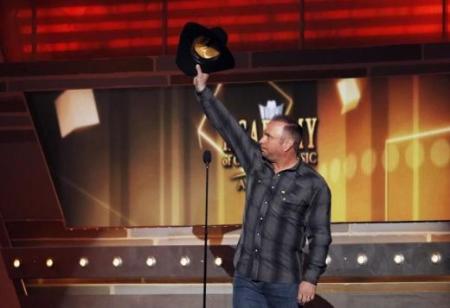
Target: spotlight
pixel 328 260
pixel 218 261
pixel 399 258
pixel 151 261
pixel 185 261
pixel 83 262
pixel 16 263
pixel 117 261
pixel 436 258
pixel 49 262
pixel 361 259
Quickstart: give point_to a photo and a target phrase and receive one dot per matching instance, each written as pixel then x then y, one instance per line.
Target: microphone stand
pixel 206 160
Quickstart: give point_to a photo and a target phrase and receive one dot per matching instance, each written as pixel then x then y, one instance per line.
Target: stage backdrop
pixel 133 157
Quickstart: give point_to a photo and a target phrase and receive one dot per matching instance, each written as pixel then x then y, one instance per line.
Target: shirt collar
pixel 297 167
pixel 300 166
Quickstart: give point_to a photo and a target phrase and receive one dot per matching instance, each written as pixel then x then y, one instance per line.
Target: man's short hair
pixel 291 127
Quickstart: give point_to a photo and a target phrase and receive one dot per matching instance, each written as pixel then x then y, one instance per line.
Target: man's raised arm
pixel 243 146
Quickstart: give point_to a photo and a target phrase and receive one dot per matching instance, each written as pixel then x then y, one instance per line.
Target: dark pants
pixel 248 293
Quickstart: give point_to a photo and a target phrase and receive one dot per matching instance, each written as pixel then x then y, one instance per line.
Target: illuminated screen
pixel 382 144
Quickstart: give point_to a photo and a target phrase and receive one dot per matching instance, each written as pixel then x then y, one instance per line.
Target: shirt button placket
pixel 256 252
pixel 258 236
pixel 257 248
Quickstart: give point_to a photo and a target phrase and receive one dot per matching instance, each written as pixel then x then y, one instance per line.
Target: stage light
pixel 350 165
pixel 218 261
pixel 151 261
pixel 399 258
pixel 83 262
pixel 323 169
pixel 328 260
pixel 349 93
pixel 49 262
pixel 185 261
pixel 436 258
pixel 368 161
pixel 391 157
pixel 415 154
pixel 16 263
pixel 440 153
pixel 335 170
pixel 361 259
pixel 117 261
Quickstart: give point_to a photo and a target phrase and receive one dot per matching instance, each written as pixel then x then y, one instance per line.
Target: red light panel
pixel 70 29
pixel 342 23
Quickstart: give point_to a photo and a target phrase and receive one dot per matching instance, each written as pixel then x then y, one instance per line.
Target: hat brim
pixel 186 58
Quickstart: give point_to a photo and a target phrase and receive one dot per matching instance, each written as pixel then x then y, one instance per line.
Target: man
pixel 286 202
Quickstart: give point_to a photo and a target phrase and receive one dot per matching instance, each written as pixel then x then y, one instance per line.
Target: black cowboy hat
pixel 207 47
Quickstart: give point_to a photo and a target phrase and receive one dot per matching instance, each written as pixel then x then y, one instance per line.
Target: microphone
pixel 206 160
pixel 207 157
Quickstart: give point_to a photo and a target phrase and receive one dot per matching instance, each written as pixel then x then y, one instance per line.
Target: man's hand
pixel 306 292
pixel 200 80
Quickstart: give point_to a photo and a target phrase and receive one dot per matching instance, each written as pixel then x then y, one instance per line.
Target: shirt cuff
pixel 310 277
pixel 202 92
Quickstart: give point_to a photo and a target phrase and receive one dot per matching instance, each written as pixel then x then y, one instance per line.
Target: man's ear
pixel 287 144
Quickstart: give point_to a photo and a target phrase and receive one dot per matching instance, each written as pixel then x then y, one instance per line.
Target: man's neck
pixel 286 163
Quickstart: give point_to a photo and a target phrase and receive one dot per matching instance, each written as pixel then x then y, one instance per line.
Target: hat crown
pixel 204 46
pixel 220 34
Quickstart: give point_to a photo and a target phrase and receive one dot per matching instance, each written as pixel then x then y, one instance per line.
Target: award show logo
pixel 270 111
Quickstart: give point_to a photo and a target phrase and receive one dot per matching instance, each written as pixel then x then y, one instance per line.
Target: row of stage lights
pixel 361 259
pixel 118 262
pixel 399 258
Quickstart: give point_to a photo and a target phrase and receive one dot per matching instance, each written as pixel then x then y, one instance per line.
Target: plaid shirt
pixel 281 209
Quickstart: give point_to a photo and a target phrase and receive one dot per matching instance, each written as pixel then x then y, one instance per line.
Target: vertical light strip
pixel 162 179
pixel 386 216
pixel 175 166
pixel 416 167
pixel 344 171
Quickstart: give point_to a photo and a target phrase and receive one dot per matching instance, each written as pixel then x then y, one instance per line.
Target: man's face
pixel 272 141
